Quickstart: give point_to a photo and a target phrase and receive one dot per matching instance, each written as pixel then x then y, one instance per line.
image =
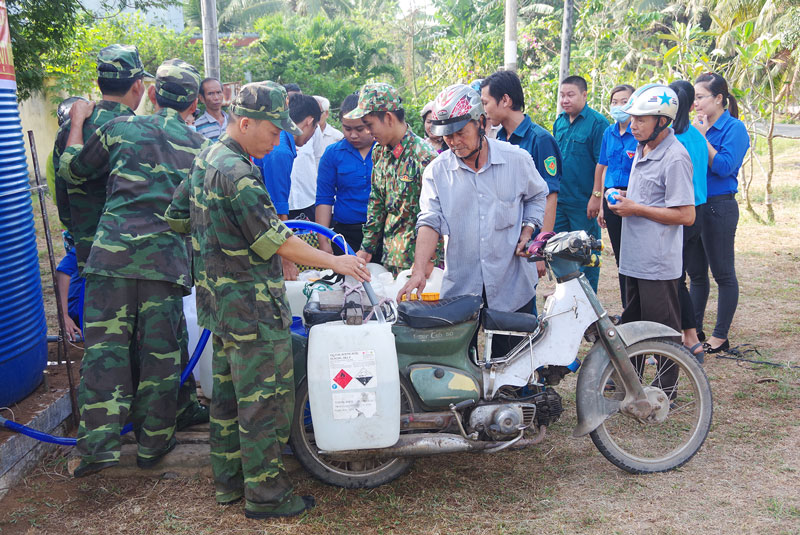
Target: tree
pixel 36 27
pixel 41 28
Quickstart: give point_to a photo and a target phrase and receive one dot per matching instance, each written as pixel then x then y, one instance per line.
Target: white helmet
pixel 454 108
pixel 653 99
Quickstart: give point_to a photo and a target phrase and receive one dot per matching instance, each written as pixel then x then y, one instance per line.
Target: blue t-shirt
pixel 579 142
pixel 542 147
pixel 696 146
pixel 616 153
pixel 276 170
pixel 69 266
pixel 344 180
pixel 729 137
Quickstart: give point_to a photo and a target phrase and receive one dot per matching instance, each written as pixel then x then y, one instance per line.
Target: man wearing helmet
pixel 485 197
pixel 658 202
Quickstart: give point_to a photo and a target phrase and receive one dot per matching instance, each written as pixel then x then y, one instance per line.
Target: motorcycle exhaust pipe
pixel 426 444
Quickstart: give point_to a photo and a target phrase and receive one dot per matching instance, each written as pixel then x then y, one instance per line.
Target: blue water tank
pixel 23 330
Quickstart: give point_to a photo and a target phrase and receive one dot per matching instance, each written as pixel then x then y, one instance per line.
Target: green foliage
pixel 72 68
pixel 330 57
pixel 36 26
pixel 41 29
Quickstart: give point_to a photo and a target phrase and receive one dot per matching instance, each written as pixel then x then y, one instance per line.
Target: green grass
pixel 784 193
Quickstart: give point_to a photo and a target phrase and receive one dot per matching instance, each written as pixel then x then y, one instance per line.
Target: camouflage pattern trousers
pixel 135 339
pixel 251 413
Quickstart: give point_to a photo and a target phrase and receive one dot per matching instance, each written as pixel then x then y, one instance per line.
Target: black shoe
pixel 194 414
pixel 724 346
pixel 293 507
pixel 701 336
pixel 88 469
pixel 150 462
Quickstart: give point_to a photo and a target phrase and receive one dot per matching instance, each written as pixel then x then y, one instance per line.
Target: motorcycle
pixel 641 396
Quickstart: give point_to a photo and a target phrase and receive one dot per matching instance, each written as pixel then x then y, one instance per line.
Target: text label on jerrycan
pixel 353 386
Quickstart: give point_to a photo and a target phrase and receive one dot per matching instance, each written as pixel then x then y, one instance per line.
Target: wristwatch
pixel 528 224
pixel 597 194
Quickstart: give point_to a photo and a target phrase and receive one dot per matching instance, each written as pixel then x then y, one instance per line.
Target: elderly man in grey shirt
pixel 659 201
pixel 485 197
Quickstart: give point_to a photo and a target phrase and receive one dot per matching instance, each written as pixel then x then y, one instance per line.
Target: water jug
pixel 353 386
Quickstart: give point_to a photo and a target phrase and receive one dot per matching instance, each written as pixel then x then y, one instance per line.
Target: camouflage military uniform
pixel 80 205
pixel 396 185
pixel 241 299
pixel 136 275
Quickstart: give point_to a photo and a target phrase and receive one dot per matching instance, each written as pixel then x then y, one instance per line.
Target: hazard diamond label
pixel 342 378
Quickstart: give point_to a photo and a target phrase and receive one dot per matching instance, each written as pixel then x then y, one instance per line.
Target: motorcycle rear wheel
pixel 366 473
pixel 646 447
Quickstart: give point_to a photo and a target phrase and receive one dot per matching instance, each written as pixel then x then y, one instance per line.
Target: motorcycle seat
pixel 442 313
pixel 494 320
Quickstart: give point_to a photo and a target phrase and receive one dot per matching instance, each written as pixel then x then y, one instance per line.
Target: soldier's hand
pixel 80 111
pixel 365 256
pixel 290 271
pixel 352 265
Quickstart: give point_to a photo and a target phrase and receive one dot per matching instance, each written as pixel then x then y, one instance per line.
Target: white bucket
pixel 353 386
pixel 202 371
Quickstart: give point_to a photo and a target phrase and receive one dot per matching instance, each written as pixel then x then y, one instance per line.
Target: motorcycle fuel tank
pixel 353 386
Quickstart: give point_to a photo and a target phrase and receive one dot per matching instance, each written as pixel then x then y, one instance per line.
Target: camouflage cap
pixel 376 97
pixel 265 100
pixel 177 81
pixel 120 62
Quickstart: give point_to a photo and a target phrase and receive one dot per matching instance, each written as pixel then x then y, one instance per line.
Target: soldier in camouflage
pixel 119 78
pixel 398 162
pixel 137 272
pixel 237 237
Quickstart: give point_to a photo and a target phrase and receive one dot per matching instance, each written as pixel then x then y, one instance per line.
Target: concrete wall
pixel 38 114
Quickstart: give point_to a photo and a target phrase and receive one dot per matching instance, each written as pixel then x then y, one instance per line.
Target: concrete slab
pixel 19 454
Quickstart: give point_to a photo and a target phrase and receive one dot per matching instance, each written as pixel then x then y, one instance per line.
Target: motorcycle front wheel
pixel 670 440
pixel 365 473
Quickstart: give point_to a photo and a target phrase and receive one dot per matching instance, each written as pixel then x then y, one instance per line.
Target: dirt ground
pixel 744 480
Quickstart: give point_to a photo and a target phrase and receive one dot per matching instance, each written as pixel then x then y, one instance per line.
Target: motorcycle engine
pixel 548 406
pixel 501 421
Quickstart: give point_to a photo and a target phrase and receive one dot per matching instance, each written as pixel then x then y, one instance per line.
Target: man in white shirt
pixel 328 134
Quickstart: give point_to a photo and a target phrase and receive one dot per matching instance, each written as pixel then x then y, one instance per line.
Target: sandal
pixel 699 356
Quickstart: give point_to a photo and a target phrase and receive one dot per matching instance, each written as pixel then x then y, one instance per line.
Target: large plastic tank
pixel 23 337
pixel 353 386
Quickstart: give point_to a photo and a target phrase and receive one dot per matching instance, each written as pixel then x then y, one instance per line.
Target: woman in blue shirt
pixel 728 142
pixel 616 157
pixel 693 254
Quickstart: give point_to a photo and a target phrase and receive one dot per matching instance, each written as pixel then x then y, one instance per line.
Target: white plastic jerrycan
pixel 353 386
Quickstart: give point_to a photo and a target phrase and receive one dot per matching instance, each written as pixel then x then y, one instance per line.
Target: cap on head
pixel 376 97
pixel 120 62
pixel 265 100
pixel 454 108
pixel 653 99
pixel 426 108
pixel 177 81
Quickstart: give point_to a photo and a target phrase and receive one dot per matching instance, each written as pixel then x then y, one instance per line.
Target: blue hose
pixel 67 441
pixel 198 350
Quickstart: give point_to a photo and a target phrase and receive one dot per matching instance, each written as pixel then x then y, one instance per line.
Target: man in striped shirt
pixel 214 121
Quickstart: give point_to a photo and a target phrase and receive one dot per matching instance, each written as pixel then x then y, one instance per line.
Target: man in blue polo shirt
pixel 344 181
pixel 504 104
pixel 579 133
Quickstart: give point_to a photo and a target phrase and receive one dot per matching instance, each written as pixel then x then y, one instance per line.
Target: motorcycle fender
pixel 592 407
